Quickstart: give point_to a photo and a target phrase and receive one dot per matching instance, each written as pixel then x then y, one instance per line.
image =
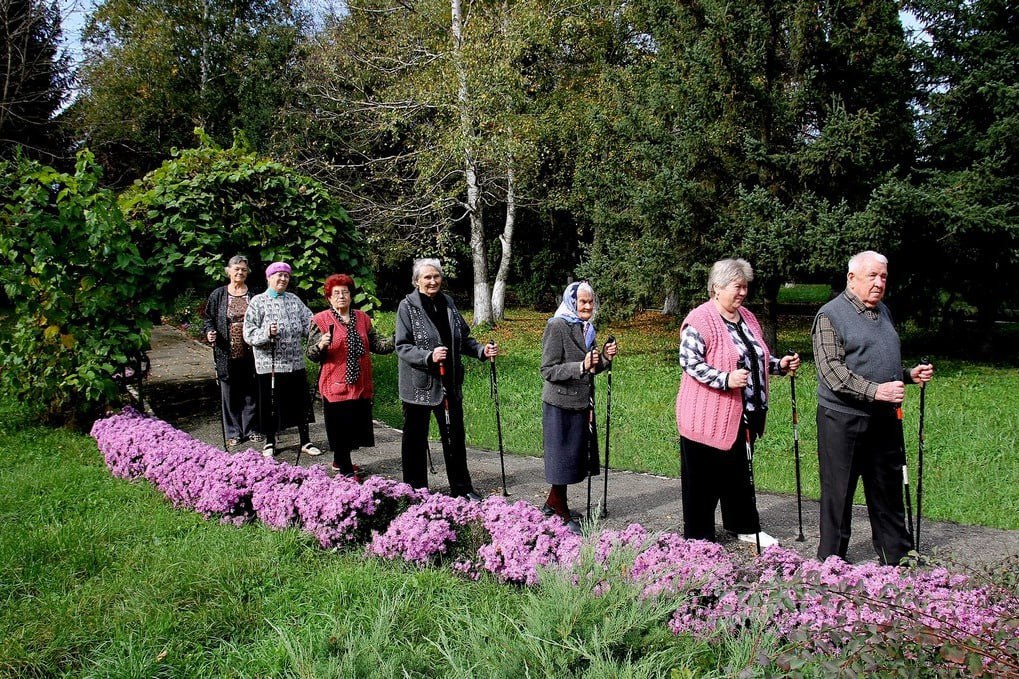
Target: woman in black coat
pixel 223 323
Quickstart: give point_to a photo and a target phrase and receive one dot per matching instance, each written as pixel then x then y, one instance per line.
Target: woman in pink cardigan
pixel 723 391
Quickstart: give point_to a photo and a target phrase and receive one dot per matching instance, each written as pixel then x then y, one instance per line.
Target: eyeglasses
pixel 339 292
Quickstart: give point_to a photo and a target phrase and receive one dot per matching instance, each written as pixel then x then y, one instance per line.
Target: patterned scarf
pixel 355 347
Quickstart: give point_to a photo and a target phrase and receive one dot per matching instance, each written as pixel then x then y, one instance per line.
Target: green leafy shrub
pixel 206 204
pixel 81 293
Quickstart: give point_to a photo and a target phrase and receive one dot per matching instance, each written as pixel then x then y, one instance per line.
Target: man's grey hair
pixel 234 261
pixel 420 264
pixel 859 258
pixel 725 271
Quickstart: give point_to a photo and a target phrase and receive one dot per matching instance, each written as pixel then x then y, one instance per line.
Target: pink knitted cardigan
pixel 703 414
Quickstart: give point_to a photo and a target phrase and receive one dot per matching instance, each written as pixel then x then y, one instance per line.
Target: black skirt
pixel 349 424
pixel 290 400
pixel 570 451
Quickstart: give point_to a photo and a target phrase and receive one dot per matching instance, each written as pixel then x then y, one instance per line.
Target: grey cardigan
pixel 562 366
pixel 416 336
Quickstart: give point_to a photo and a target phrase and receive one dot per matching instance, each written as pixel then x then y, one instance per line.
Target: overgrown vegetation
pixel 87 274
pixel 208 203
pixel 82 293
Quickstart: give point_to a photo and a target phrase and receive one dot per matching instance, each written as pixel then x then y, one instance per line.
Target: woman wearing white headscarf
pixel 569 361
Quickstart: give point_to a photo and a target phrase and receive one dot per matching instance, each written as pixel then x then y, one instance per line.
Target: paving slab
pixel 181 388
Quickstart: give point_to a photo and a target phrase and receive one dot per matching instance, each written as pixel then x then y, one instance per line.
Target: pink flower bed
pixel 820 605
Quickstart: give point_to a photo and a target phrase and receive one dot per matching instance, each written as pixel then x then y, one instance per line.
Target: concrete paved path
pixel 181 389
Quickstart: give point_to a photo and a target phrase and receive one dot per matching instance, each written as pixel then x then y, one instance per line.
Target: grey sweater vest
pixel 871 351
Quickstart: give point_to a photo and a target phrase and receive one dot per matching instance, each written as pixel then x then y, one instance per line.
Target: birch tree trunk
pixel 506 240
pixel 475 209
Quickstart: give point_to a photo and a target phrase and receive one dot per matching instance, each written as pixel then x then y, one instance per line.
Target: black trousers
pixel 709 476
pixel 851 447
pixel 238 399
pixel 414 448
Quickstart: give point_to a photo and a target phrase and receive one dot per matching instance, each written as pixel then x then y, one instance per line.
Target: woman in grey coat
pixel 569 361
pixel 431 337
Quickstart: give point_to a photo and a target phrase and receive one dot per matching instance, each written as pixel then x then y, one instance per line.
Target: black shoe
pixel 472 496
pixel 574 527
pixel 549 512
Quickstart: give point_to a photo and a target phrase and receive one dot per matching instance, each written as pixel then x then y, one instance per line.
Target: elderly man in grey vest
pixel 860 386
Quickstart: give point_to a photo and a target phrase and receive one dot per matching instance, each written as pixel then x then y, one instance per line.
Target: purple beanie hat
pixel 277 267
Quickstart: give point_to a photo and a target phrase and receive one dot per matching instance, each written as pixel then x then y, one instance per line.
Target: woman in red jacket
pixel 340 338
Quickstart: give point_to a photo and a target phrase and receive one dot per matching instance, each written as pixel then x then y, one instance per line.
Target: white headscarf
pixel 568 309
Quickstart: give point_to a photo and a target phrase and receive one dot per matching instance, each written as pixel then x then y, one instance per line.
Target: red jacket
pixel 332 380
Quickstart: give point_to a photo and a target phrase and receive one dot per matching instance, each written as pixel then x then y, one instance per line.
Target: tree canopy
pixel 155 69
pixel 529 142
pixel 208 203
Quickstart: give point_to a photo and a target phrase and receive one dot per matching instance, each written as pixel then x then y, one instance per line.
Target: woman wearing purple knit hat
pixel 276 326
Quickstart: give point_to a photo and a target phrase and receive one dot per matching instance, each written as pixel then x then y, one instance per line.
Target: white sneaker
pixel 269 450
pixel 766 540
pixel 310 450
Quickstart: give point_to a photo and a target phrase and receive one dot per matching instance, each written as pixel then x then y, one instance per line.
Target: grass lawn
pixel 100 577
pixel 971 469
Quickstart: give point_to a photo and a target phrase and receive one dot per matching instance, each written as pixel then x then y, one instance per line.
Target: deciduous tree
pixel 208 203
pixel 156 69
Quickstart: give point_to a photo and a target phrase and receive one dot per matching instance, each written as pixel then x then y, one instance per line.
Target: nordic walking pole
pixel 905 479
pixel 445 410
pixel 498 420
pixel 919 461
pixel 608 423
pixel 272 398
pixel 219 385
pixel 750 458
pixel 222 415
pixel 592 434
pixel 796 447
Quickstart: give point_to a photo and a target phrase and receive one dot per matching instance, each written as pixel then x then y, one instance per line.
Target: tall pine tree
pixel 34 78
